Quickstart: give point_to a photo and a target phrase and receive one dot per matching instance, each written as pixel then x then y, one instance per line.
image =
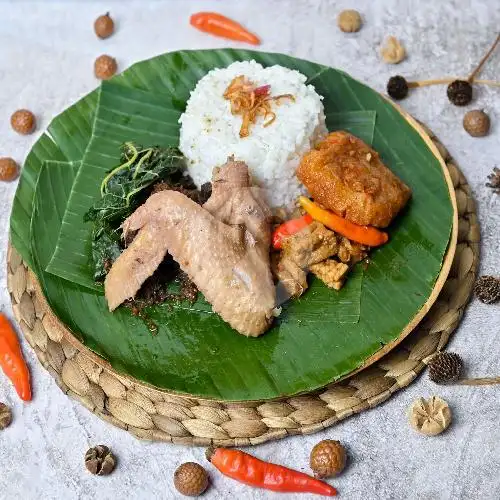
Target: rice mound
pixel 210 133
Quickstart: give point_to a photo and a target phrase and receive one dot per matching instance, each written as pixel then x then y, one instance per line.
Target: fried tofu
pixel 346 175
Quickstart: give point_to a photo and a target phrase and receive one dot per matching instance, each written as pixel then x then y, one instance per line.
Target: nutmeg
pixel 191 479
pixel 105 67
pixel 104 26
pixel 328 458
pixel 476 123
pixel 23 121
pixel 9 169
pixel 349 21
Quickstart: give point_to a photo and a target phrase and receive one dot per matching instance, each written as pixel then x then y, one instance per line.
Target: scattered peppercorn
pixel 100 461
pixel 476 123
pixel 9 169
pixel 328 458
pixel 23 121
pixel 104 26
pixel 445 367
pixel 393 52
pixel 397 87
pixel 191 479
pixel 105 67
pixel 494 180
pixel 487 289
pixel 459 92
pixel 349 21
pixel 5 416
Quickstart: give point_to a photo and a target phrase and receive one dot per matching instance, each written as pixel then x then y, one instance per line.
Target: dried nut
pixel 100 461
pixel 9 169
pixel 23 121
pixel 349 21
pixel 476 123
pixel 459 92
pixel 445 367
pixel 104 26
pixel 5 416
pixel 494 184
pixel 487 289
pixel 328 458
pixel 191 479
pixel 397 87
pixel 105 67
pixel 393 52
pixel 430 417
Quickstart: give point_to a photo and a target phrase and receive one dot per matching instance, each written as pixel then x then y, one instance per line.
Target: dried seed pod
pixel 9 169
pixel 104 26
pixel 23 121
pixel 397 87
pixel 393 52
pixel 487 289
pixel 445 367
pixel 494 180
pixel 191 479
pixel 430 417
pixel 459 92
pixel 349 21
pixel 105 67
pixel 100 461
pixel 476 123
pixel 328 458
pixel 5 416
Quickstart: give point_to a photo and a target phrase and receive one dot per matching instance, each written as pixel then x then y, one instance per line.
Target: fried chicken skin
pixel 346 175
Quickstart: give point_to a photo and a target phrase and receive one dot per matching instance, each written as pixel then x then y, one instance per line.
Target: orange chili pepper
pixel 247 469
pixel 366 235
pixel 12 361
pixel 219 25
pixel 288 228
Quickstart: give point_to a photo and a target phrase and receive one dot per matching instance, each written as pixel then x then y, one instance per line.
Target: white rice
pixel 210 133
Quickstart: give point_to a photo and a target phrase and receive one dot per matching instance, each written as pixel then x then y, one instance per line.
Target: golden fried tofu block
pixel 330 272
pixel 347 176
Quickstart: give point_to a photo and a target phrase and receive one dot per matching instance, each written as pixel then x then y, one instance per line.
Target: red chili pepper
pixel 288 228
pixel 219 25
pixel 246 469
pixel 263 90
pixel 12 361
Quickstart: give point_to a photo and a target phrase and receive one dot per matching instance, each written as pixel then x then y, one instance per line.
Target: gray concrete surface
pixel 47 51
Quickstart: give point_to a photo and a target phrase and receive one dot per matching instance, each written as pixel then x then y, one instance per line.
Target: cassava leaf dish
pixel 317 339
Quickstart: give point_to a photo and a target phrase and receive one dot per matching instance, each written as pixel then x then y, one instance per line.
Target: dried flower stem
pixel 442 81
pixel 479 381
pixel 483 60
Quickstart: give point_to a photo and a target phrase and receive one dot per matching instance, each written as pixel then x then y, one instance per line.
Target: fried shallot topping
pixel 250 101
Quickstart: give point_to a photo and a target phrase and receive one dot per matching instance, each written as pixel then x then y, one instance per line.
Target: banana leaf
pixel 198 354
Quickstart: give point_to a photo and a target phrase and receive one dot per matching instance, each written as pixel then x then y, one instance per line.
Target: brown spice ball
pixel 191 479
pixel 105 67
pixel 476 123
pixel 328 458
pixel 23 121
pixel 349 21
pixel 9 169
pixel 104 26
pixel 459 92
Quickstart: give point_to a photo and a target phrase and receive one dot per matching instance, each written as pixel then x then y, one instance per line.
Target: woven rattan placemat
pixel 157 415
